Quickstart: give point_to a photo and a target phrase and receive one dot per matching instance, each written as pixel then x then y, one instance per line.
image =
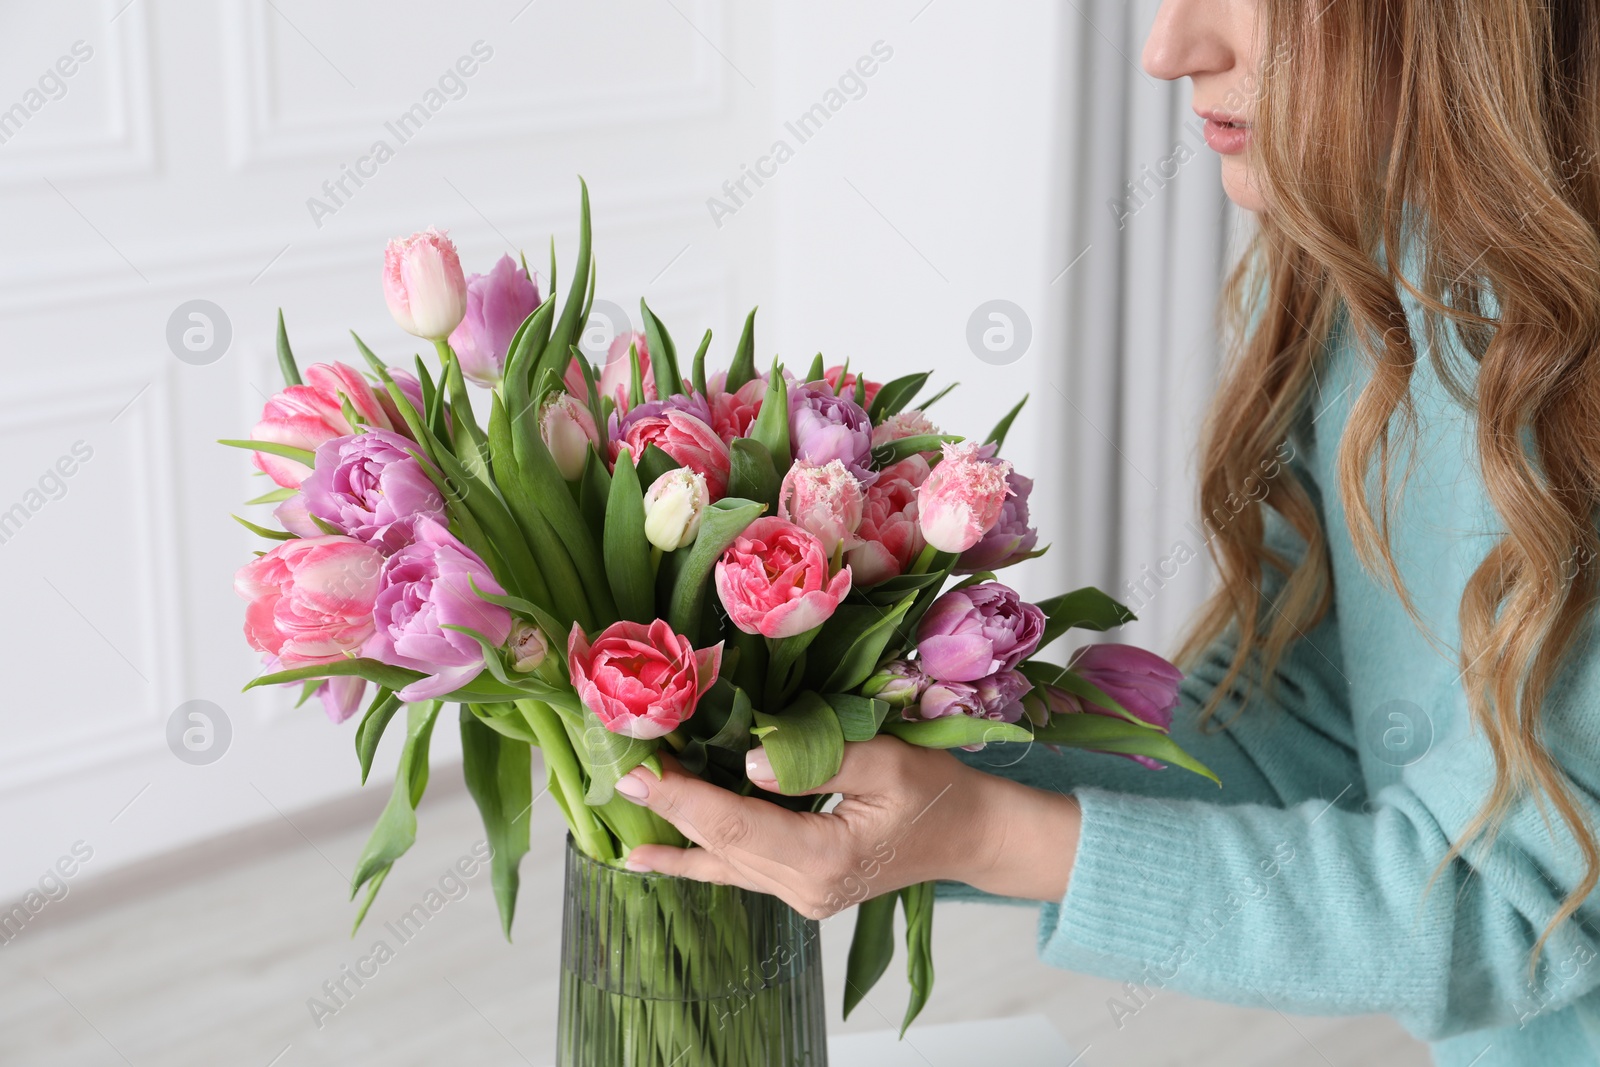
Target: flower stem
pixel 924 560
pixel 562 761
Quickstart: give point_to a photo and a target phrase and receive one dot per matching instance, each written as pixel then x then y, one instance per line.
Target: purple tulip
pixel 974 632
pixel 898 684
pixel 1009 540
pixel 424 588
pixel 1000 695
pixel 341 696
pixel 1139 680
pixel 946 698
pixel 824 427
pixel 371 487
pixel 497 303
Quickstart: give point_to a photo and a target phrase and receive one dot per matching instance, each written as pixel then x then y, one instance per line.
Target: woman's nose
pixel 1190 38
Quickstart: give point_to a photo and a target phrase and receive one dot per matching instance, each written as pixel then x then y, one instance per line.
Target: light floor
pixel 209 958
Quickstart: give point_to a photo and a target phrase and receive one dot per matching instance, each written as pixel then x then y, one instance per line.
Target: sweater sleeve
pixel 1316 909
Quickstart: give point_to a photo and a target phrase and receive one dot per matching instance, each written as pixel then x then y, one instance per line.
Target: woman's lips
pixel 1226 136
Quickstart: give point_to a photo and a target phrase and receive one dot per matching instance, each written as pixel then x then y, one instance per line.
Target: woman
pixel 1420 316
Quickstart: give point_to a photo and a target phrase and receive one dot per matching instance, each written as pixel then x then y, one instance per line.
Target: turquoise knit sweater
pixel 1302 884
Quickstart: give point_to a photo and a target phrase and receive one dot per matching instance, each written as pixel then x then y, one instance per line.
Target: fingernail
pixel 757 766
pixel 632 786
pixel 637 866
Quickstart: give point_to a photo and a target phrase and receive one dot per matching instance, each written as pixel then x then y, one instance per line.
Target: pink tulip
pixel 306 415
pixel 568 429
pixel 497 303
pixel 889 538
pixel 641 681
pixel 423 284
pixel 773 580
pixel 688 440
pixel 911 423
pixel 616 377
pixel 963 497
pixel 529 647
pixel 732 414
pixel 824 501
pixel 311 599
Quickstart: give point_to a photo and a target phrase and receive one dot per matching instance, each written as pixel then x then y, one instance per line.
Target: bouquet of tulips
pixel 647 557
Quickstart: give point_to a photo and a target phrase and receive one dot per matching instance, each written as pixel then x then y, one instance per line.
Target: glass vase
pixel 660 971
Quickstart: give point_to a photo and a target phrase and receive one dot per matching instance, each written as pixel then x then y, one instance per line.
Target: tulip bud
pixel 672 508
pixel 899 684
pixel 423 284
pixel 528 646
pixel 824 500
pixel 568 430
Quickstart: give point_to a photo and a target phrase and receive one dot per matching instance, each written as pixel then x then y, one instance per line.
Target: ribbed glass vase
pixel 658 971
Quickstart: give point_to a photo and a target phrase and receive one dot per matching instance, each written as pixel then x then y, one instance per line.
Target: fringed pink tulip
pixel 825 501
pixel 963 497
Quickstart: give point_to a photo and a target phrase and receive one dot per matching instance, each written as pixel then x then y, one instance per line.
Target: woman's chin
pixel 1240 185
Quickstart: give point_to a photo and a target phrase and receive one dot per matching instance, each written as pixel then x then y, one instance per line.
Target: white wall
pixel 178 166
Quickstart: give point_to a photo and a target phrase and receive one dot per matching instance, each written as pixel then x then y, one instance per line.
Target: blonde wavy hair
pixel 1492 169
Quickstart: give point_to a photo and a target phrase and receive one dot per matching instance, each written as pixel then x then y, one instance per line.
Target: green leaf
pixel 859 717
pixel 663 355
pixel 751 473
pixel 563 588
pixel 743 367
pixel 895 395
pixel 1083 609
pixel 653 464
pixel 606 756
pixel 594 488
pixel 723 717
pixel 871 948
pixel 997 436
pixel 566 331
pixel 396 678
pixel 893 452
pixel 505 720
pixel 627 552
pixel 890 591
pixel 636 393
pixel 719 525
pixel 917 902
pixel 954 731
pixel 818 371
pixel 804 743
pixel 771 427
pixel 370 732
pixel 697 373
pixel 299 455
pixel 291 373
pixel 1102 733
pixel 499 775
pixel 262 531
pixel 1043 674
pixel 851 644
pixel 396 830
pixel 785 666
pixel 277 496
pixel 471 443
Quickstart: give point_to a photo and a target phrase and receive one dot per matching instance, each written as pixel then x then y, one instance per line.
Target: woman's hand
pixel 908 815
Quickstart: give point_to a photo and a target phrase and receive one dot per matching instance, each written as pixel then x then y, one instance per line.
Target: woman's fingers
pixel 700 864
pixel 719 820
pixel 876 766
